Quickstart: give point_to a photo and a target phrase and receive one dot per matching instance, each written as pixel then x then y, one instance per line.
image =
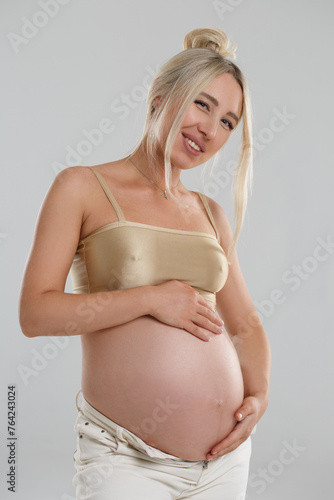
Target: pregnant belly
pixel 174 391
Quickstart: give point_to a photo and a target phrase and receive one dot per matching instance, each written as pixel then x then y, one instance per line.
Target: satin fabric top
pixel 127 254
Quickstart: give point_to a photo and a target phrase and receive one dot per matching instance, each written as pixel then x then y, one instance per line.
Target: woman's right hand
pixel 178 304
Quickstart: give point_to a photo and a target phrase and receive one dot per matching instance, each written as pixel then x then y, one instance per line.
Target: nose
pixel 209 127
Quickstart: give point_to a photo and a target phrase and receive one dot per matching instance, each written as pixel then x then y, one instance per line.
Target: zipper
pixel 205 464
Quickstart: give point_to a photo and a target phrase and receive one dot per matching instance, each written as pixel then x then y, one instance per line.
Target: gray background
pixel 65 79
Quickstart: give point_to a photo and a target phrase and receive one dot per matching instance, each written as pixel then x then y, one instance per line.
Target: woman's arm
pixel 45 309
pixel 242 323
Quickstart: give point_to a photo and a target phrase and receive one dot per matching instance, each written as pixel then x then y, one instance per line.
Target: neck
pixel 155 170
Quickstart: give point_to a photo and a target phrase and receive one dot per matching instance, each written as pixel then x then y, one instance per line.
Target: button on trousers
pixel 112 463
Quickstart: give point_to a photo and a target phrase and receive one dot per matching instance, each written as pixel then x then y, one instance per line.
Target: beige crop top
pixel 127 254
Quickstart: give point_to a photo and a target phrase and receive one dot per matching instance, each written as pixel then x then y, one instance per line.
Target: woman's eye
pixel 202 104
pixel 228 124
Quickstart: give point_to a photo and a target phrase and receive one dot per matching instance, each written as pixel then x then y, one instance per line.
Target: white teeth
pixel 193 144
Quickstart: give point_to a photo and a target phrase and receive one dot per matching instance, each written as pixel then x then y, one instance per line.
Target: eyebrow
pixel 216 103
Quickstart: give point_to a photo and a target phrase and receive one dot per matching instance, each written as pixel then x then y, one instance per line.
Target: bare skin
pixel 176 392
pixel 147 361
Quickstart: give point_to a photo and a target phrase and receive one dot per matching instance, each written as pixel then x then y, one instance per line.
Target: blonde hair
pixel 176 86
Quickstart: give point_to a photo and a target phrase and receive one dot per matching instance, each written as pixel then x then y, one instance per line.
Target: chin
pixel 186 164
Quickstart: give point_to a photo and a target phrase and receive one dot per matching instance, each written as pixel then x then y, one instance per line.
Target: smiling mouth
pixel 193 144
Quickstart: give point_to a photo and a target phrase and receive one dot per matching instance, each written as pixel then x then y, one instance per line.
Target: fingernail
pixel 239 415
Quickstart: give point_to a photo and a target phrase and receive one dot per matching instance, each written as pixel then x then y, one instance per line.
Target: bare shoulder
pixel 74 178
pixel 221 221
pixel 68 194
pixel 80 177
pixel 73 184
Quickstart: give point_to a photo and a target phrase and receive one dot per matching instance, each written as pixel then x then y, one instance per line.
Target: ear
pixel 155 104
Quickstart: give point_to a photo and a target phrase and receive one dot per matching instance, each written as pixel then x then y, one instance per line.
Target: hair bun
pixel 210 38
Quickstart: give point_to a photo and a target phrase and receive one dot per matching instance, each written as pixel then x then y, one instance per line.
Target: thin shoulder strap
pixel 208 211
pixel 109 194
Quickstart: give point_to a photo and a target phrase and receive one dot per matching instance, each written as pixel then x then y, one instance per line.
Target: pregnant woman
pixel 175 362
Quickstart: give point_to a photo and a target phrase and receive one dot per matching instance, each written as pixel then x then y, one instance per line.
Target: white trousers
pixel 112 463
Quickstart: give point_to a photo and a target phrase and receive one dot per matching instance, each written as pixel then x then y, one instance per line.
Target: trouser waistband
pixel 122 434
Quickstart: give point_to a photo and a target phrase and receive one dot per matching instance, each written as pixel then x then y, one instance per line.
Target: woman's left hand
pixel 247 417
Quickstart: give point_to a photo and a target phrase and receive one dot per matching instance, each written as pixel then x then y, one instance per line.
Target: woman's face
pixel 208 123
